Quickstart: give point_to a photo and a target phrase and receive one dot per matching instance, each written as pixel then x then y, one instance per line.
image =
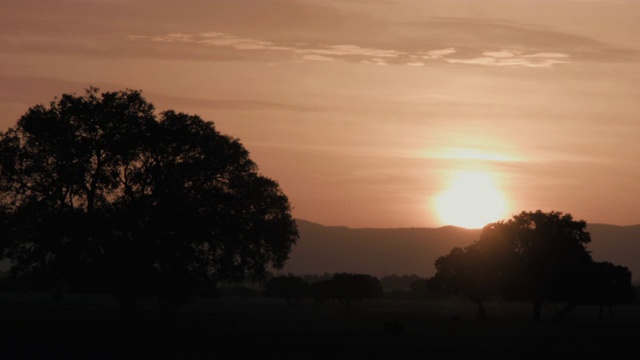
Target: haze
pixel 367 112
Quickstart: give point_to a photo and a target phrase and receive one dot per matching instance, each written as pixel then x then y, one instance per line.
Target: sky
pixel 370 113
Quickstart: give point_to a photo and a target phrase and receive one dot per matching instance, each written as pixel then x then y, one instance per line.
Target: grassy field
pixel 35 326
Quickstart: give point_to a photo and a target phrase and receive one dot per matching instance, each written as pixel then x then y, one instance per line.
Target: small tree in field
pixel 457 274
pixel 290 288
pixel 355 287
pixel 607 285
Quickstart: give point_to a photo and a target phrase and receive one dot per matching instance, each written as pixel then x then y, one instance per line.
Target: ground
pixel 36 326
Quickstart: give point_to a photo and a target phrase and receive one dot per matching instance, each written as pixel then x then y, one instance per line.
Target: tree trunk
pixel 564 314
pixel 600 313
pixel 482 312
pixel 537 310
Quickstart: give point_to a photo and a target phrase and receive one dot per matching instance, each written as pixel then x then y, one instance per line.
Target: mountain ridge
pixel 413 250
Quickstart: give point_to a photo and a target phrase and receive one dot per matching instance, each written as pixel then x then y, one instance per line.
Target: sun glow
pixel 472 201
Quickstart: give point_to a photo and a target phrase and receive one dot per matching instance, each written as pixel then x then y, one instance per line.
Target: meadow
pixel 76 326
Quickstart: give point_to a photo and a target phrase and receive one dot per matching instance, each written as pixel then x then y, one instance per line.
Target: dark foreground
pixel 91 327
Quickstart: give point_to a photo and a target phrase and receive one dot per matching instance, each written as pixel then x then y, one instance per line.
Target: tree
pixel 348 287
pixel 549 252
pixel 395 282
pixel 291 288
pixel 471 272
pixel 534 256
pixel 420 289
pixel 100 187
pixel 322 291
pixel 607 285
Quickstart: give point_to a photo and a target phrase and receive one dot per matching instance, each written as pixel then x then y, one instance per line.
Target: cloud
pixel 212 39
pixel 436 54
pixel 314 57
pixel 374 62
pixel 507 62
pixel 515 58
pixel 272 30
pixel 351 50
pixel 173 37
pixel 354 52
pixel 244 43
pixel 474 61
pixel 501 53
pixel 547 55
pixel 318 53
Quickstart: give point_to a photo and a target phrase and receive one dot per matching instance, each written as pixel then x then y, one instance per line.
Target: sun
pixel 472 201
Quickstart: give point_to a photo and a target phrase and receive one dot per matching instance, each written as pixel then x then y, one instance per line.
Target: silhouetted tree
pixel 99 186
pixel 355 287
pixel 314 278
pixel 398 282
pixel 546 252
pixel 534 256
pixel 465 272
pixel 609 284
pixel 420 289
pixel 322 291
pixel 291 288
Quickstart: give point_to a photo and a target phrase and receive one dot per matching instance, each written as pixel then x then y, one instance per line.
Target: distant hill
pixel 617 244
pixel 373 251
pixel 414 250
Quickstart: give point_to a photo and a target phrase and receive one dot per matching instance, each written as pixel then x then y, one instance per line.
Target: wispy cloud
pixel 547 56
pixel 351 50
pixel 212 39
pixel 375 61
pixel 514 58
pixel 436 54
pixel 501 53
pixel 362 54
pixel 314 57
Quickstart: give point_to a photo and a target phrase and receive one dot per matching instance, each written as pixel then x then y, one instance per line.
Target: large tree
pixel 102 194
pixel 534 256
pixel 550 255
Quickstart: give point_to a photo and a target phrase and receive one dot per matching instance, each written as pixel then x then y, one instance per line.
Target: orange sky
pixel 365 110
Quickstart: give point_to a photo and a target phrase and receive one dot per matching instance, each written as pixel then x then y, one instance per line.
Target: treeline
pixel 345 288
pixel 391 286
pixel 535 257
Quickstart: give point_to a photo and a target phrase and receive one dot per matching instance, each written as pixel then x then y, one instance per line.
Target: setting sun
pixel 472 201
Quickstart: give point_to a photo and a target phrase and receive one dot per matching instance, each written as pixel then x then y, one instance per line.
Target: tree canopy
pixel 347 287
pixel 534 256
pixel 98 191
pixel 461 272
pixel 290 288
